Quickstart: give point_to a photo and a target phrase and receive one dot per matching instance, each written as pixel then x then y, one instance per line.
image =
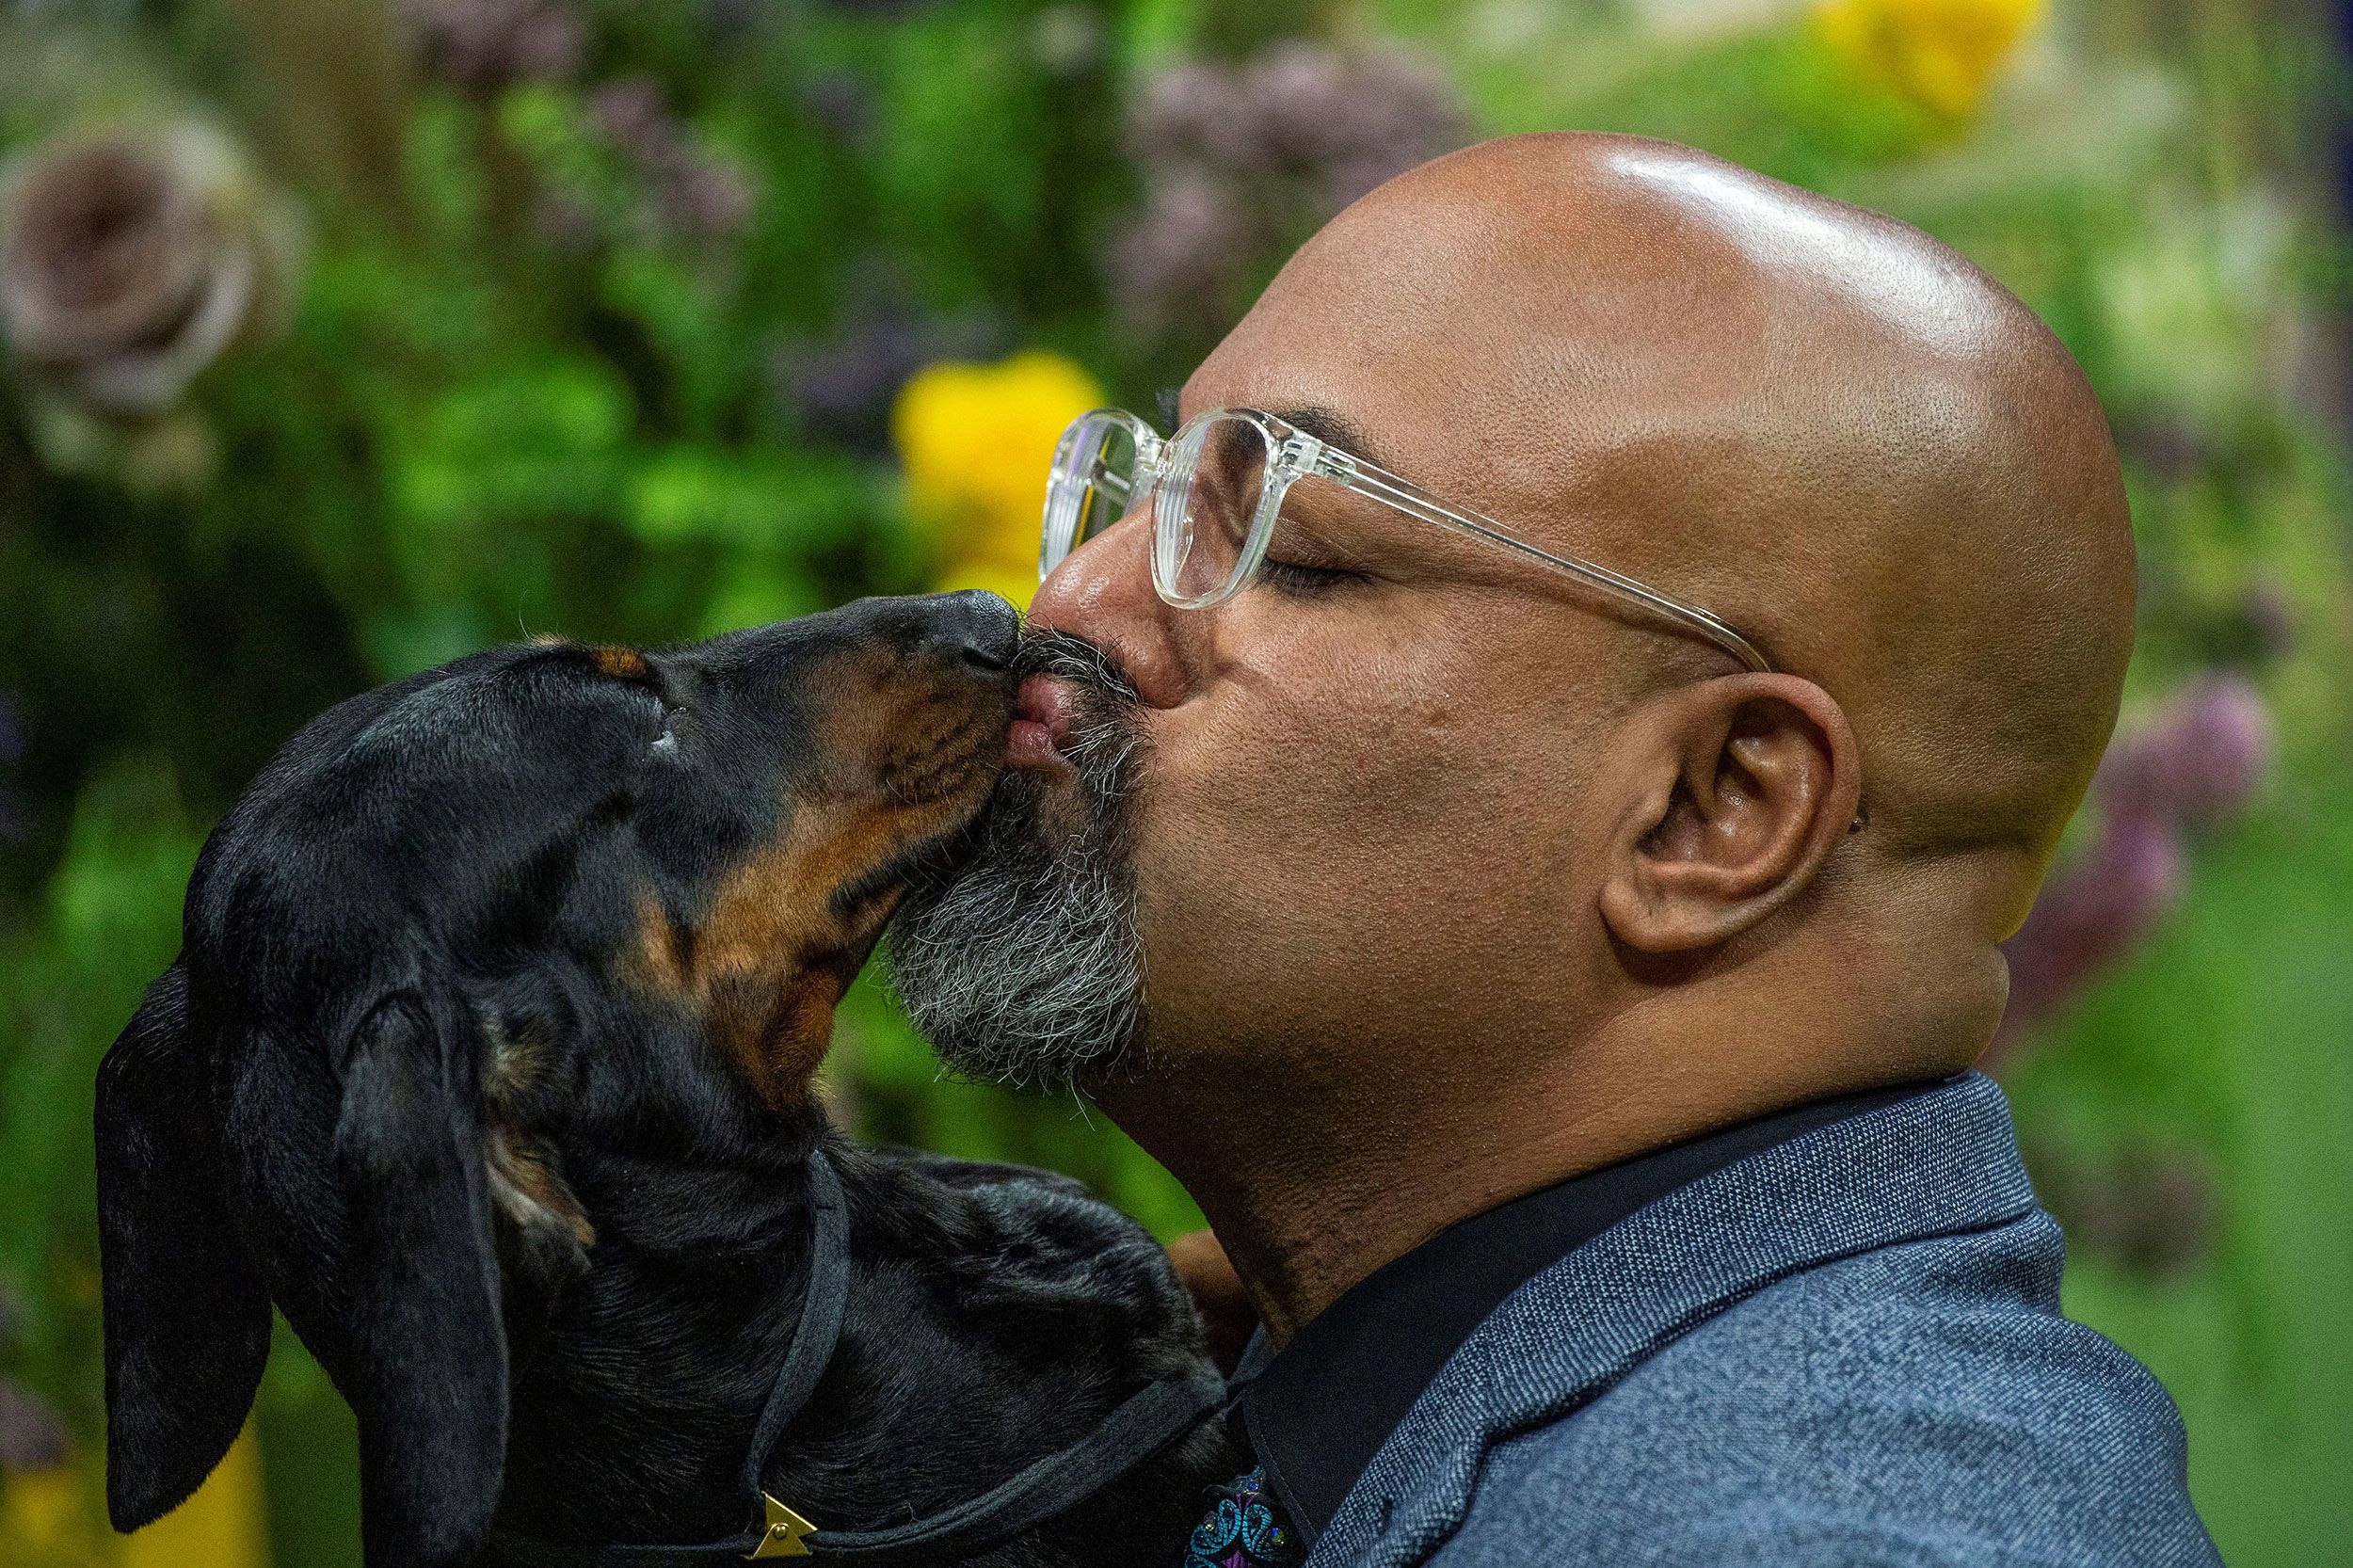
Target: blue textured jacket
pixel 1846 1349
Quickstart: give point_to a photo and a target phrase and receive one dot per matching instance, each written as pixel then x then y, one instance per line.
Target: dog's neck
pixel 636 1386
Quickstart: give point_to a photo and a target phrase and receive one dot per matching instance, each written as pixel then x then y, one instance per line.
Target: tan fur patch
pixel 771 958
pixel 769 962
pixel 523 1183
pixel 527 1188
pixel 625 664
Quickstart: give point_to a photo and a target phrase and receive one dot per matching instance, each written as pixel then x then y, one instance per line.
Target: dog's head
pixel 546 892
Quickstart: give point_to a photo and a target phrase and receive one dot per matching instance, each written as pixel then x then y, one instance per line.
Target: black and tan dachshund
pixel 487 1057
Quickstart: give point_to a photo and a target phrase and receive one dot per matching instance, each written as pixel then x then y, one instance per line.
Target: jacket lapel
pixel 1941 1162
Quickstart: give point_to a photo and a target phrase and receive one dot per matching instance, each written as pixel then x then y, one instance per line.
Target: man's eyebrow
pixel 1330 424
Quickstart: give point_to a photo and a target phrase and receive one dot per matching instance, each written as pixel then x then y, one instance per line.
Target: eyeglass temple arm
pixel 1379 483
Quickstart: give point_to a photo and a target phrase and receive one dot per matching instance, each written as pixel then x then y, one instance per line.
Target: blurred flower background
pixel 343 336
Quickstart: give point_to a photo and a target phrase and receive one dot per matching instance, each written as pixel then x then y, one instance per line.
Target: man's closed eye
pixel 1298 580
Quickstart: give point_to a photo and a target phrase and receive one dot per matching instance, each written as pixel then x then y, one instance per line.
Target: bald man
pixel 1516 805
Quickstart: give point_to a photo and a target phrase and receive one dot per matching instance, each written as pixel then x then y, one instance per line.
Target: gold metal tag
pixel 781 1535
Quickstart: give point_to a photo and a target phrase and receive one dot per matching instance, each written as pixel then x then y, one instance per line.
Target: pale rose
pixel 129 261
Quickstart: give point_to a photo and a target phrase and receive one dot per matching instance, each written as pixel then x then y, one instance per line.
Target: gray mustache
pixel 1107 732
pixel 1086 664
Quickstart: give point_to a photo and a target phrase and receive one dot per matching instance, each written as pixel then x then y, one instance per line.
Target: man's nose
pixel 1103 592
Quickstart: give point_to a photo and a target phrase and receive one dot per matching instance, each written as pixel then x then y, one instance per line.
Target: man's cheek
pixel 1270 847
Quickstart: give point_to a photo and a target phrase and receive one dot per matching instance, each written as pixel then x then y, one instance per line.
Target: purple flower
pixel 2202 760
pixel 841 387
pixel 1184 254
pixel 706 197
pixel 32 1437
pixel 634 114
pixel 1237 156
pixel 1351 122
pixel 843 104
pixel 2197 764
pixel 2094 910
pixel 1194 113
pixel 11 827
pixel 2172 446
pixel 478 47
pixel 1345 120
pixel 2146 1208
pixel 692 192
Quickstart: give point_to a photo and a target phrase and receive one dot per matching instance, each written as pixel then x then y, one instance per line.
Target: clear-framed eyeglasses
pixel 1217 485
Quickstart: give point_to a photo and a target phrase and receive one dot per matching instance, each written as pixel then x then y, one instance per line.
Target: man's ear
pixel 428 1362
pixel 187 1312
pixel 1740 788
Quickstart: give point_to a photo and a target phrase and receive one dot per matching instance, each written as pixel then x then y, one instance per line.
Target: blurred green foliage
pixel 542 375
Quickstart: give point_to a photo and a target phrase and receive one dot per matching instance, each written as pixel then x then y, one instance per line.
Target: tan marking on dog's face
pixel 899 761
pixel 624 663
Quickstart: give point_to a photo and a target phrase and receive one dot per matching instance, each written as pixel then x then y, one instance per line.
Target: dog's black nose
pixel 978 628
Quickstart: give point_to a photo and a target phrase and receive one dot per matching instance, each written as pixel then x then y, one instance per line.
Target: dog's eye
pixel 632 672
pixel 665 742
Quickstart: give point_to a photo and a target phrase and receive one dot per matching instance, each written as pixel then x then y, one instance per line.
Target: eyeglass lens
pixel 1091 487
pixel 1208 496
pixel 1217 480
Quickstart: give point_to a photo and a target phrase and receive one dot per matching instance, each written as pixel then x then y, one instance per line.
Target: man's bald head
pixel 1476 879
pixel 1822 424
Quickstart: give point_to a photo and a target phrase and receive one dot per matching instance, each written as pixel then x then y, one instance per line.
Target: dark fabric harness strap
pixel 522 1553
pixel 1147 1422
pixel 820 1328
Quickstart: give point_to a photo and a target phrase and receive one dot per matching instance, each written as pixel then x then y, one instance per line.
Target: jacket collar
pixel 1935 1164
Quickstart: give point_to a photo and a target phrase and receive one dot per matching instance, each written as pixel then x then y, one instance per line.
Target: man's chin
pixel 1059 813
pixel 1048 806
pixel 1013 808
pixel 1015 951
pixel 1017 956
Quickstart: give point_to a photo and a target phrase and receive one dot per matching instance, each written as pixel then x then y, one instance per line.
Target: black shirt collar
pixel 1318 1411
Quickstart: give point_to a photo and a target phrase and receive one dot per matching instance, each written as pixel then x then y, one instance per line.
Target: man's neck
pixel 1312 1186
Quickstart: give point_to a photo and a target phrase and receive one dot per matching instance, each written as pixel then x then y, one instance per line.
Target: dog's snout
pixel 977 629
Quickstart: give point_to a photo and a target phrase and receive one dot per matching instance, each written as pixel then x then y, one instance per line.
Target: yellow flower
pixel 45 1518
pixel 51 1517
pixel 1940 55
pixel 1016 581
pixel 222 1526
pixel 976 441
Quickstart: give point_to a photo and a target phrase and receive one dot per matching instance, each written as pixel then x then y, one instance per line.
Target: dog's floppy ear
pixel 186 1313
pixel 428 1380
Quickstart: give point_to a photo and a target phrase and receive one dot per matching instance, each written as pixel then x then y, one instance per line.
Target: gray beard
pixel 1020 962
